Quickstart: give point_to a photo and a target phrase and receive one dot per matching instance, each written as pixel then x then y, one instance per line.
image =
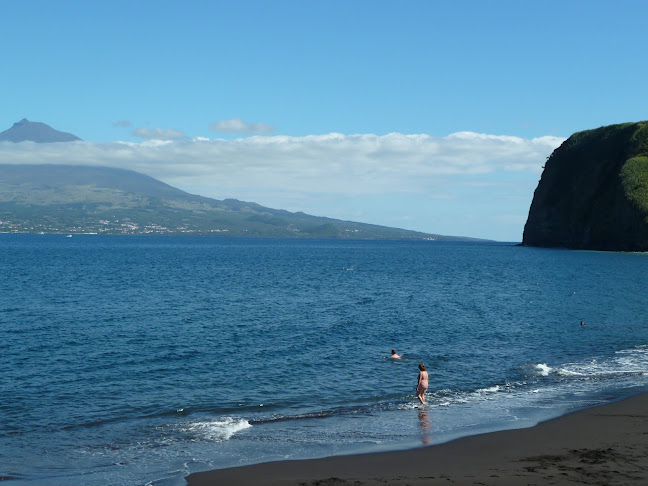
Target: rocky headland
pixel 593 193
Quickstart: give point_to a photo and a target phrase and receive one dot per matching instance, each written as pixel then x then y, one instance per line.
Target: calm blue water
pixel 138 360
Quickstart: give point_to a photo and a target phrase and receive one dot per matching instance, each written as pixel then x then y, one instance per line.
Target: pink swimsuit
pixel 423 383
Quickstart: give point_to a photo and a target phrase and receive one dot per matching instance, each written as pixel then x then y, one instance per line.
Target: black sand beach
pixel 606 445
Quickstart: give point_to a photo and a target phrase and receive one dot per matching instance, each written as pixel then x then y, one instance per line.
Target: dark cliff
pixel 593 193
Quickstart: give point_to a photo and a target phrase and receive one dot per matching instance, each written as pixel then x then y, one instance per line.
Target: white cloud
pixel 237 125
pixel 158 133
pixel 332 163
pixel 316 172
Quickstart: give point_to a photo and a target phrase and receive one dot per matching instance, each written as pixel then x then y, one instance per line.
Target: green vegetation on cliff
pixel 634 175
pixel 593 193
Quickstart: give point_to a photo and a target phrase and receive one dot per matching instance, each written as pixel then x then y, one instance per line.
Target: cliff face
pixel 593 193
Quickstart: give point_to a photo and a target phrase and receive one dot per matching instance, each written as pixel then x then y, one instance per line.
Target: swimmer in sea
pixel 582 324
pixel 422 386
pixel 394 355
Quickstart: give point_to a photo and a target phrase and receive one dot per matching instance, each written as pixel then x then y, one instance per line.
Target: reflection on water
pixel 424 423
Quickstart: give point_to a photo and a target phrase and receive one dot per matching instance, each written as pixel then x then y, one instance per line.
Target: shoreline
pixel 606 444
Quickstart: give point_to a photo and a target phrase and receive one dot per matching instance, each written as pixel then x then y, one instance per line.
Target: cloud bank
pixel 333 163
pixel 446 185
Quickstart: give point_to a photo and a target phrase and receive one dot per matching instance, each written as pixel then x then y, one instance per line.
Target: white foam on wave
pixel 569 372
pixel 626 362
pixel 449 398
pixel 542 369
pixel 624 367
pixel 218 430
pixel 408 405
pixel 492 389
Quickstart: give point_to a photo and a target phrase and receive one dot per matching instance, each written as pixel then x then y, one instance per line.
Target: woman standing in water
pixel 422 386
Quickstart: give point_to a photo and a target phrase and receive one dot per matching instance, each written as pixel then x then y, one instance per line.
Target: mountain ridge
pixel 44 198
pixel 82 199
pixel 38 132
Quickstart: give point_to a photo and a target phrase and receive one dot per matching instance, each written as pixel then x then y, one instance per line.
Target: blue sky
pixel 435 116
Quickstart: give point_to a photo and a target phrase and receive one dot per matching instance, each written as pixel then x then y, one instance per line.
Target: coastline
pixel 607 444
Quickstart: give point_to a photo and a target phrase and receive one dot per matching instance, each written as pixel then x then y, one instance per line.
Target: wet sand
pixel 606 445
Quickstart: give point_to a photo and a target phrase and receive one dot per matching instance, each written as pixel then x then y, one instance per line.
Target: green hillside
pixel 73 199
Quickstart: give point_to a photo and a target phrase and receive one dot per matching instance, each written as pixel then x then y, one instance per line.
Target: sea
pixel 137 360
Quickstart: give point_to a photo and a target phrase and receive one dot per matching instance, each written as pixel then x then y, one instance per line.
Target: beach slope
pixel 606 445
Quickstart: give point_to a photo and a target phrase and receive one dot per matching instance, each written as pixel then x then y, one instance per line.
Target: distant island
pixel 101 200
pixel 593 193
